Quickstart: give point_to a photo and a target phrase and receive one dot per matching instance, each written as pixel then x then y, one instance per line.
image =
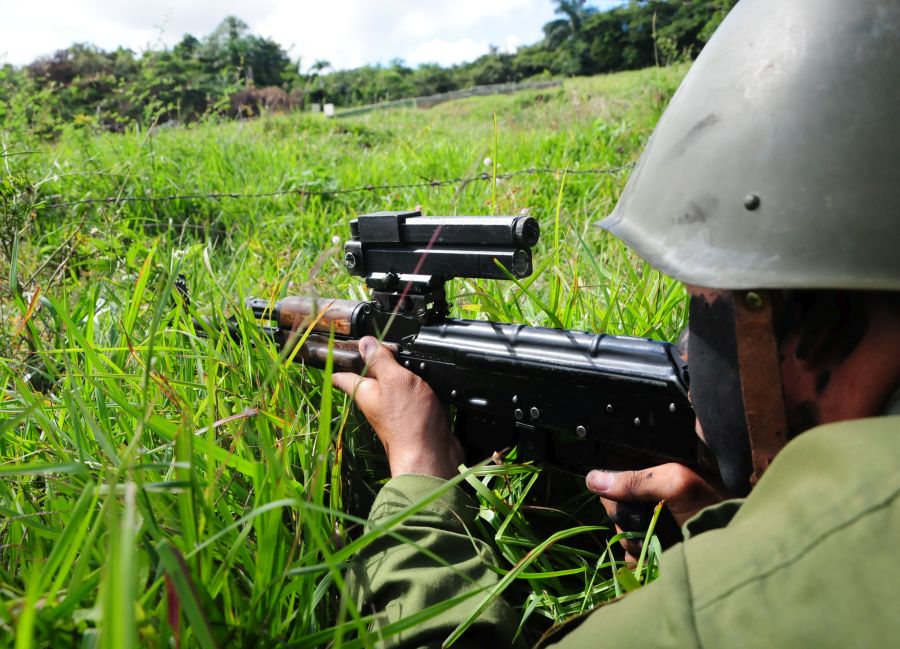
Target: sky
pixel 346 33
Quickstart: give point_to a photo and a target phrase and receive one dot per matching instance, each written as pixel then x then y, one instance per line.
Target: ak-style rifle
pixel 570 398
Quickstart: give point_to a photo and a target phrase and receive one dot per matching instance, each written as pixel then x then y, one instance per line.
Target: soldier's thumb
pixel 621 486
pixel 378 358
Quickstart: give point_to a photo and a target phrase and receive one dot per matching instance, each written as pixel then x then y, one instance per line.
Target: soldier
pixel 771 188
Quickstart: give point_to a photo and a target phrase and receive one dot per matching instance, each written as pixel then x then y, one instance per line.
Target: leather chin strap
pixel 760 368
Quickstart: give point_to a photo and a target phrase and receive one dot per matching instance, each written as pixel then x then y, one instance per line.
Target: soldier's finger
pixel 622 516
pixel 632 549
pixel 630 517
pixel 346 381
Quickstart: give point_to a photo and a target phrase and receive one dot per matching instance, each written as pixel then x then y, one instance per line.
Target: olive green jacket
pixel 810 559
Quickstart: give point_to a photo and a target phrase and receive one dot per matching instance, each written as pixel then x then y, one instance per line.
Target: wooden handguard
pixel 296 312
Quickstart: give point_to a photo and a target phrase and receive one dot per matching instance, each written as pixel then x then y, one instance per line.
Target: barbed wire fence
pixel 10 154
pixel 67 248
pixel 313 191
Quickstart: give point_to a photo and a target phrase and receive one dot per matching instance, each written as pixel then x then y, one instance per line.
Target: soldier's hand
pixel 624 492
pixel 405 413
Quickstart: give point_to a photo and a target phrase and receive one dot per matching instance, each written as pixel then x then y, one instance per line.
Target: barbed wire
pixel 307 191
pixel 9 154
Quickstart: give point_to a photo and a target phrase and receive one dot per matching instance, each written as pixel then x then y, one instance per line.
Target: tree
pixel 574 13
pixel 87 85
pixel 188 48
pixel 231 48
pixel 431 79
pixel 564 34
pixel 494 67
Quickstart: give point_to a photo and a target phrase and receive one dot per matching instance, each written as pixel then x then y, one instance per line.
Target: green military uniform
pixel 774 168
pixel 808 559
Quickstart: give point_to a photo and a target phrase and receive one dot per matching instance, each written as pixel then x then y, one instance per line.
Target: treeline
pixel 582 41
pixel 86 86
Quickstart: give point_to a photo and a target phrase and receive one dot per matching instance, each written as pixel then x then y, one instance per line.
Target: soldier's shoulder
pixel 810 553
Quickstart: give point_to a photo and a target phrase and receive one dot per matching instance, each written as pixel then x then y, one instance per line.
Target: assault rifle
pixel 568 398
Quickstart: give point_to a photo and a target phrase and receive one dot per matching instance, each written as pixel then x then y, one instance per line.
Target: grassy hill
pixel 157 485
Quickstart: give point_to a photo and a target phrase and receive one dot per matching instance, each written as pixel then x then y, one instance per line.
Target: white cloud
pixel 194 16
pixel 355 32
pixel 446 52
pixel 347 33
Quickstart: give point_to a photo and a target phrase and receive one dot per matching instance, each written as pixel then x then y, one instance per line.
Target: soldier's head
pixel 771 188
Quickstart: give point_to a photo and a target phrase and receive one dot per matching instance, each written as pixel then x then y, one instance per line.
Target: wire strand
pixel 304 191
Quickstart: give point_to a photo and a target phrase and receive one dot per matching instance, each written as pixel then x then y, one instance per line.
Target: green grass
pixel 159 489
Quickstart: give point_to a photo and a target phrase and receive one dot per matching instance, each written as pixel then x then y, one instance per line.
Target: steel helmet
pixel 777 162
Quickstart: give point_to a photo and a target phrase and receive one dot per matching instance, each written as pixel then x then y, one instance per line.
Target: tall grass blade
pixel 177 570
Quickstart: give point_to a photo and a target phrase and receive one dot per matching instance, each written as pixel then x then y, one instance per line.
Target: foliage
pixel 86 86
pixel 160 489
pixel 232 47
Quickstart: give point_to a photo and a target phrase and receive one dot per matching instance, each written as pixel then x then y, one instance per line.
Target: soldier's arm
pixel 428 573
pixel 437 570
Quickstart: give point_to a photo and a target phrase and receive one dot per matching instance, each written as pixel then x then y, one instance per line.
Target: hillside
pixel 145 465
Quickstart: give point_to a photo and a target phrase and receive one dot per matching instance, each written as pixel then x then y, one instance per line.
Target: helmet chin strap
pixel 760 369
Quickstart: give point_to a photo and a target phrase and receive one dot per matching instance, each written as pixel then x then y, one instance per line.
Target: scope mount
pixel 406 258
pixel 420 296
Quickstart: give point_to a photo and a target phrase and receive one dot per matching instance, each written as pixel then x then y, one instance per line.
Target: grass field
pixel 163 490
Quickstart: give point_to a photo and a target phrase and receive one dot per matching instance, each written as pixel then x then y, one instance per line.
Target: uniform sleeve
pixel 436 562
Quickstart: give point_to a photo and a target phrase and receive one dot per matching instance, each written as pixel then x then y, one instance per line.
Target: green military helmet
pixel 777 162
